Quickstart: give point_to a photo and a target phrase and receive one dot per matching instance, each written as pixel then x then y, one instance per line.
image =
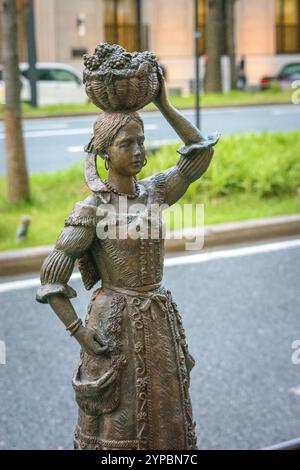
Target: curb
pixel 30 259
pixel 239 232
pixel 183 108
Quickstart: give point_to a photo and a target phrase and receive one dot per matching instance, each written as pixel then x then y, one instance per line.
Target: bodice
pixel 128 249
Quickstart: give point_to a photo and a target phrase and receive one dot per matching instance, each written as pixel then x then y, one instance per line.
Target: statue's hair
pixel 107 126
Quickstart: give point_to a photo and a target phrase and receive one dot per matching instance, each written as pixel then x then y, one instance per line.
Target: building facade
pixel 267 32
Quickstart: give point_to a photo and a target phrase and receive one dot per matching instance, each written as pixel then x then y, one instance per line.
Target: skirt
pixel 136 394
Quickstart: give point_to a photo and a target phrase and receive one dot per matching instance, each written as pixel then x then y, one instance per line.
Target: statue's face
pixel 127 153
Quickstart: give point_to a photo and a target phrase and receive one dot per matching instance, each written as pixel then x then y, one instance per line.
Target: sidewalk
pixel 30 259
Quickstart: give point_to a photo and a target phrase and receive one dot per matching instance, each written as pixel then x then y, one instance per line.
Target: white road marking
pixel 149 145
pixel 63 132
pixel 295 390
pixel 180 260
pixel 159 142
pixel 75 148
pixel 281 112
pixel 272 109
pixel 27 283
pixel 232 253
pixel 41 127
pixel 57 132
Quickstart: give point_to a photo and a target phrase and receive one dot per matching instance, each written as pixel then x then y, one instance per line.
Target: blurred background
pixel 231 66
pixel 263 32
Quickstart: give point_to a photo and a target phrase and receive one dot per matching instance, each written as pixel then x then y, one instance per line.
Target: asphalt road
pixel 56 143
pixel 241 314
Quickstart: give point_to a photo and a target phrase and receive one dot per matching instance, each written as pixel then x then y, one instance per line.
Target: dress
pixel 136 394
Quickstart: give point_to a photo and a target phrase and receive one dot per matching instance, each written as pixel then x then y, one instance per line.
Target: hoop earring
pixel 106 163
pixel 145 162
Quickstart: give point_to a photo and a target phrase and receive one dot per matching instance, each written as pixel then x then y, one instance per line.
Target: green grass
pixel 234 98
pixel 251 176
pixel 266 164
pixel 208 100
pixel 237 208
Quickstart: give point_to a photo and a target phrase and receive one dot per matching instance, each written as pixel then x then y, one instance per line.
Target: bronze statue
pixel 132 382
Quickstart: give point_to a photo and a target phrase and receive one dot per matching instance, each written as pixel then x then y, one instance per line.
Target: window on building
pixel 78 52
pixel 202 22
pixel 122 24
pixel 287 26
pixel 202 14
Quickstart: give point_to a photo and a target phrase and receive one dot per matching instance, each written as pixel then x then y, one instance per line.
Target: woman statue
pixel 132 383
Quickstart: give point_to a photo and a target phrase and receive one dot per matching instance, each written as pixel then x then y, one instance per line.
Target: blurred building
pixel 267 32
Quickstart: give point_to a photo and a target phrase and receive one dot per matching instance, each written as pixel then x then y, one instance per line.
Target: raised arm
pixel 196 154
pixel 187 132
pixel 73 242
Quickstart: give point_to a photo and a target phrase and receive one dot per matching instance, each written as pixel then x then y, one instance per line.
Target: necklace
pixel 114 190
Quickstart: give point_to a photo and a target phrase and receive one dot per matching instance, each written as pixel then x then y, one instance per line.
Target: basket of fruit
pixel 117 80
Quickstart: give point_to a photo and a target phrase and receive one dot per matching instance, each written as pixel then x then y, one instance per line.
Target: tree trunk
pixel 18 184
pixel 230 35
pixel 214 41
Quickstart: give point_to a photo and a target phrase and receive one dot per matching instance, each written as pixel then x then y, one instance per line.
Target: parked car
pixel 56 83
pixel 287 75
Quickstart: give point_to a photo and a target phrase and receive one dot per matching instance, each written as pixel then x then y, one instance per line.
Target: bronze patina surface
pixel 132 381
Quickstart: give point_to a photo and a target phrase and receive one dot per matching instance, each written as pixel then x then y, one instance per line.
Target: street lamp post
pixel 197 64
pixel 139 24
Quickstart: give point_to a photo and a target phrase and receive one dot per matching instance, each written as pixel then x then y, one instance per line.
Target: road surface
pixel 240 308
pixel 56 143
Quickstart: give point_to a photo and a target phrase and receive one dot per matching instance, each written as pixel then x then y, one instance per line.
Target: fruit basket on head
pixel 117 80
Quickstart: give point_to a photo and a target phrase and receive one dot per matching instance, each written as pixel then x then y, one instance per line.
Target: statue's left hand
pixel 161 98
pixel 90 341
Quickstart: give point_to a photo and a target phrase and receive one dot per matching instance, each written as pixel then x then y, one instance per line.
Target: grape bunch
pixel 118 61
pixel 110 57
pixel 104 49
pixel 91 62
pixel 101 56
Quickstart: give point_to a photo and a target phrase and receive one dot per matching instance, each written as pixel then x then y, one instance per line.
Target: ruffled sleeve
pixel 195 158
pixel 73 242
pixel 194 149
pixel 193 162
